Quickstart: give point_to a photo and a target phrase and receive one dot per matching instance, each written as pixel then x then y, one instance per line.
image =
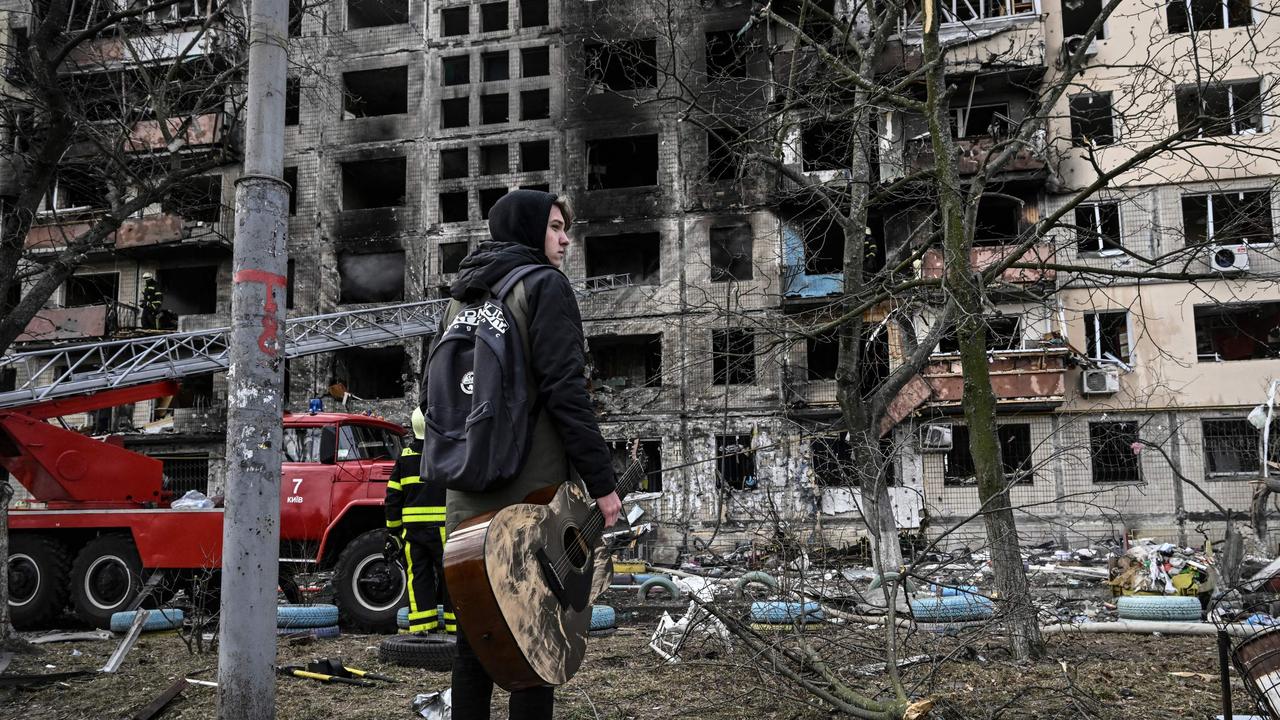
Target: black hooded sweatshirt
pixel 518 225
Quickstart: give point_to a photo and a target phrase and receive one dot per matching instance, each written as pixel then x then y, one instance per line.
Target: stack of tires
pixel 950 613
pixel 773 615
pixel 319 621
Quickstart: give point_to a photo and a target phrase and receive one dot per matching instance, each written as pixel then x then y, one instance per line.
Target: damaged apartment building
pixel 406 121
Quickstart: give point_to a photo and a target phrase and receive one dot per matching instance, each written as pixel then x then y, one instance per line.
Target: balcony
pixel 135 235
pixel 971 156
pixel 115 52
pixel 187 132
pixel 1025 377
pixel 984 256
pixel 80 323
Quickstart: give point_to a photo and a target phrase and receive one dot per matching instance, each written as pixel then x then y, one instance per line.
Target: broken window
pixel 726 54
pixel 376 13
pixel 1230 447
pixel 621 65
pixel 961 11
pixel 535 62
pixel 1098 228
pixel 370 184
pixel 488 198
pixel 733 357
pixel 635 254
pixel 823 239
pixel 1079 15
pixel 980 121
pixel 822 355
pixel 535 156
pixel 78 187
pixel 370 277
pixel 493 17
pixel 1091 121
pixel 533 13
pixel 373 373
pixel 455 21
pixel 1107 336
pixel 832 460
pixel 493 160
pixel 453 206
pixel 731 252
pixel 626 361
pixel 189 290
pixel 622 162
pixel 535 104
pixel 291 177
pixel 495 66
pixel 1227 218
pixel 455 112
pixel 735 462
pixel 1239 331
pixel 289 276
pixel 494 108
pixel 1114 448
pixel 453 163
pixel 1015 455
pixel 196 199
pixel 723 157
pixel 93 289
pixel 292 101
pixel 1004 332
pixel 650 453
pixel 19 62
pixel 1188 15
pixel 1232 108
pixel 451 256
pixel 455 70
pixel 296 11
pixel 825 146
pixel 997 220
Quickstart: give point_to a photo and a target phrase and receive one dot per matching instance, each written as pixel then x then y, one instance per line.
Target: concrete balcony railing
pixel 985 256
pixel 77 323
pixel 186 132
pixel 971 156
pixel 119 51
pixel 133 233
pixel 1017 376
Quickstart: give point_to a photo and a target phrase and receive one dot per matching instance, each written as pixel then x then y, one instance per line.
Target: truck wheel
pixel 369 589
pixel 37 579
pixel 106 576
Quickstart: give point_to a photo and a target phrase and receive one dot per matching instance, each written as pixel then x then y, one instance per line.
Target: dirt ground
pixel 1083 676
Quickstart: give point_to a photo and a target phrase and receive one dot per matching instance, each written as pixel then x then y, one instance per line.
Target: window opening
pixel 1114 448
pixel 368 184
pixel 735 462
pixel 535 156
pixel 723 157
pixel 376 13
pixel 1098 228
pixel 495 66
pixel 488 198
pixel 650 452
pixel 370 277
pixel 494 108
pixel 1107 334
pixel 1246 331
pixel 822 355
pixel 1188 15
pixel 1015 455
pixel 535 104
pixel 825 146
pixel 453 163
pixel 197 199
pixel 733 357
pixel 455 112
pixel 533 13
pixel 1227 218
pixel 455 21
pixel 1004 332
pixel 455 70
pixel 452 255
pixel 1091 120
pixel 726 54
pixel 373 373
pixel 370 93
pixel 621 362
pixel 291 177
pixel 731 252
pixel 1231 447
pixel 493 160
pixel 91 289
pixel 980 121
pixel 535 62
pixel 1216 109
pixel 621 65
pixel 493 17
pixel 635 254
pixel 292 101
pixel 453 206
pixel 189 290
pixel 622 162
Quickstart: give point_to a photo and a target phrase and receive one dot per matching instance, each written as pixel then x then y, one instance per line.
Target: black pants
pixel 424 551
pixel 473 691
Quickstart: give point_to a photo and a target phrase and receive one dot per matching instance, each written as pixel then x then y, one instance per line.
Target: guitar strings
pixel 596 521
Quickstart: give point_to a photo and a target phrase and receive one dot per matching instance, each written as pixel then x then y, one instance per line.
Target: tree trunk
pixel 963 285
pixel 8 636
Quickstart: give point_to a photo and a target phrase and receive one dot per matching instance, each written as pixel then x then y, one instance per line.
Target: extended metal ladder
pixel 77 369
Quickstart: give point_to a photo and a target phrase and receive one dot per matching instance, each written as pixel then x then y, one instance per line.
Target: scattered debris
pixel 434 705
pixel 299 672
pixel 878 668
pixel 126 644
pixel 87 636
pixel 1160 568
pixel 23 681
pixel 336 666
pixel 155 707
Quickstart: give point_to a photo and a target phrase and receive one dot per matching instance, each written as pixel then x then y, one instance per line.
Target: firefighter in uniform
pixel 152 298
pixel 415 527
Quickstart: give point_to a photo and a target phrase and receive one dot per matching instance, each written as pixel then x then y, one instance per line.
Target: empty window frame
pixel 535 156
pixel 1227 218
pixel 727 54
pixel 822 355
pixel 453 206
pixel 1107 335
pixel 368 184
pixel 735 462
pixel 453 163
pixel 373 373
pixel 452 255
pixel 535 104
pixel 370 277
pixel 455 21
pixel 826 146
pixel 1231 108
pixel 197 199
pixel 455 70
pixel 980 121
pixel 376 13
pixel 733 357
pixel 1241 331
pixel 296 11
pixel 998 220
pixel 621 362
pixel 1004 332
pixel 1188 15
pixel 494 17
pixel 455 112
pixel 1092 122
pixel 823 241
pixel 731 252
pixel 650 453
pixel 831 458
pixel 189 290
pixel 533 13
pixel 621 65
pixel 292 101
pixel 77 187
pixel 291 177
pixel 494 160
pixel 1015 455
pixel 637 255
pixel 813 16
pixel 1081 17
pixel 1231 447
pixel 495 108
pixel 488 198
pixel 622 162
pixel 370 93
pixel 1114 448
pixel 495 66
pixel 723 157
pixel 968 10
pixel 535 62
pixel 1098 228
pixel 91 289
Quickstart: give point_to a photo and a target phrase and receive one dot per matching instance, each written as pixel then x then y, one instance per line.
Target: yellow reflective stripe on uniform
pixel 442 538
pixel 410 480
pixel 424 627
pixel 423 509
pixel 423 615
pixel 393 523
pixel 425 519
pixel 393 485
pixel 408 452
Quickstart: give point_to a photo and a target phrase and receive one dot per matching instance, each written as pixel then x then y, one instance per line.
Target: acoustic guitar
pixel 520 580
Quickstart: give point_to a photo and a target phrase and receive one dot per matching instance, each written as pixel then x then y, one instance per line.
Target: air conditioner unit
pixel 936 437
pixel 1072 43
pixel 1100 382
pixel 1229 258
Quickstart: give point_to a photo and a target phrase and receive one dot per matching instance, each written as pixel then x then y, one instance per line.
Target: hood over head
pixel 518 226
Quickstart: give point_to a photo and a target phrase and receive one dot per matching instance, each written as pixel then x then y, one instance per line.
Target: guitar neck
pixel 630 480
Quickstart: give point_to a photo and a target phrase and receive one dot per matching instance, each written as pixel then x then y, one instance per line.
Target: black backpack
pixel 478 415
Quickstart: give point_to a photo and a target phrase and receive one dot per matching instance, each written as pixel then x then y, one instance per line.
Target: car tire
pixel 430 652
pixel 603 617
pixel 368 589
pixel 1167 608
pixel 951 608
pixel 786 613
pixel 159 619
pixel 105 578
pixel 328 631
pixel 306 616
pixel 38 568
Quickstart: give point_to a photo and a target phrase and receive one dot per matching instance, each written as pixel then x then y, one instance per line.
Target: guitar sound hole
pixel 574 548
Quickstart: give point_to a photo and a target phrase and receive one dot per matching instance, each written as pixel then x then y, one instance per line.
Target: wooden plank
pixel 155 706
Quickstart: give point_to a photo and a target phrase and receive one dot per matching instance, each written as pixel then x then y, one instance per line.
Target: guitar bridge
pixel 549 574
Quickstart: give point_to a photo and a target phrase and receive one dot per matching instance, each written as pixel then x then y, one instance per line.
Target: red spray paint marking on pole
pixel 270 323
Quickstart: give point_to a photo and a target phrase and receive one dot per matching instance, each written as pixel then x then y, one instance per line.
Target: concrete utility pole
pixel 251 529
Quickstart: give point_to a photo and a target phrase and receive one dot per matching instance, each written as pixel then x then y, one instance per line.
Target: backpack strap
pixel 516 275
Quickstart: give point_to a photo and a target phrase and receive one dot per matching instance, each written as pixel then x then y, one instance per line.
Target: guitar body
pixel 520 580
